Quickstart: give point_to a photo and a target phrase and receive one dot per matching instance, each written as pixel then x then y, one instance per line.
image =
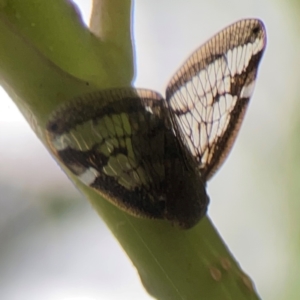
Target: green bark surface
pixel 47 57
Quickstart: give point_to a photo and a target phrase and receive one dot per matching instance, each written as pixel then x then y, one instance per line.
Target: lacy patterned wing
pixel 96 138
pixel 208 95
pixel 120 143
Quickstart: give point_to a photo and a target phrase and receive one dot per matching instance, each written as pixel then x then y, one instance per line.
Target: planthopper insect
pixel 152 156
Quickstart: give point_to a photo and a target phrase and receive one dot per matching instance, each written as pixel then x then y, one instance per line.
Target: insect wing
pixel 150 156
pixel 121 143
pixel 208 95
pixel 113 141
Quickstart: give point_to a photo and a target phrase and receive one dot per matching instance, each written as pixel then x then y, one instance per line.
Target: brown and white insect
pixel 153 156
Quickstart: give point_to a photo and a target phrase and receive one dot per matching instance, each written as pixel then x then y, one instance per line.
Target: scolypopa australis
pixel 153 156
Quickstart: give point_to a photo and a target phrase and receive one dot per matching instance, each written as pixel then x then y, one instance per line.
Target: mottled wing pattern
pixel 121 143
pixel 150 156
pixel 113 141
pixel 208 95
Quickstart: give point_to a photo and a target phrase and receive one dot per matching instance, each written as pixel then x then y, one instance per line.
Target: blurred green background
pixel 54 246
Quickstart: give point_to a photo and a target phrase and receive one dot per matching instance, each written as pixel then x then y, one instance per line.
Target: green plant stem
pixel 47 57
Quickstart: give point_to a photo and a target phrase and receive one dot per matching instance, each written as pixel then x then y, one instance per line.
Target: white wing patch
pixel 88 176
pixel 247 90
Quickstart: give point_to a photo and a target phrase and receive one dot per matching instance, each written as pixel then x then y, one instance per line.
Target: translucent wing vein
pixel 208 95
